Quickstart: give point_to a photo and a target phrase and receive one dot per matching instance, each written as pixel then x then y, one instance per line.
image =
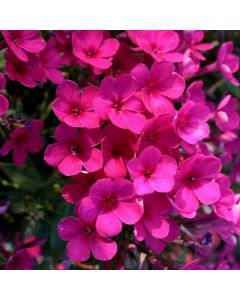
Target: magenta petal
pixel 115 168
pixel 92 160
pixel 186 200
pixel 156 225
pixel 108 224
pixel 19 156
pixel 78 249
pixel 162 185
pixel 55 153
pixel 71 165
pixel 142 186
pixel 155 245
pixel 129 212
pixel 88 209
pixel 69 228
pixel 207 192
pixel 123 189
pixel 103 248
pixel 139 230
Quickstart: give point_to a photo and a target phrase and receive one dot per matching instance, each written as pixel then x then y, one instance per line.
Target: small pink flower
pixel 195 93
pixel 195 182
pixel 79 187
pixel 22 140
pixel 193 39
pixel 91 48
pixel 27 73
pixel 191 122
pixel 117 153
pixel 228 63
pixel 225 204
pixel 154 228
pixel 153 220
pixel 111 202
pixel 159 132
pixel 160 44
pixel 74 107
pixel 83 239
pixel 74 150
pixel 22 41
pixel 117 101
pixel 226 115
pixel 159 86
pixel 51 62
pixel 152 171
pixel 20 260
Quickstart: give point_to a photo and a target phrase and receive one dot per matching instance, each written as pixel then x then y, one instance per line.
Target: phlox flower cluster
pixel 140 143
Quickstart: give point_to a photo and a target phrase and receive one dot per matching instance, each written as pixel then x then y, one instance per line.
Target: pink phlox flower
pixel 160 44
pixel 159 86
pixel 23 140
pixel 91 48
pixel 195 93
pixel 226 115
pixel 225 204
pixel 159 132
pixel 154 227
pixel 118 147
pixel 83 239
pixel 79 187
pixel 111 202
pixel 22 42
pixel 51 62
pixel 27 73
pixel 74 150
pixel 228 63
pixel 74 107
pixel 191 122
pixel 20 260
pixel 152 171
pixel 194 45
pixel 117 101
pixel 195 182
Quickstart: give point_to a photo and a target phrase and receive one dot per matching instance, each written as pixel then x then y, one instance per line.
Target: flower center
pixel 117 106
pixel 191 179
pixel 89 231
pixel 76 111
pixel 116 152
pixel 109 202
pixel 148 174
pixel 14 38
pixel 74 150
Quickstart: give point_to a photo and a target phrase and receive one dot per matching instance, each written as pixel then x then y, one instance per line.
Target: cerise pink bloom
pixel 195 182
pixel 111 202
pixel 118 147
pixel 75 107
pixel 160 44
pixel 159 86
pixel 22 140
pixel 226 115
pixel 152 171
pixel 91 48
pixel 74 150
pixel 191 122
pixel 118 102
pixel 22 41
pixel 83 239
